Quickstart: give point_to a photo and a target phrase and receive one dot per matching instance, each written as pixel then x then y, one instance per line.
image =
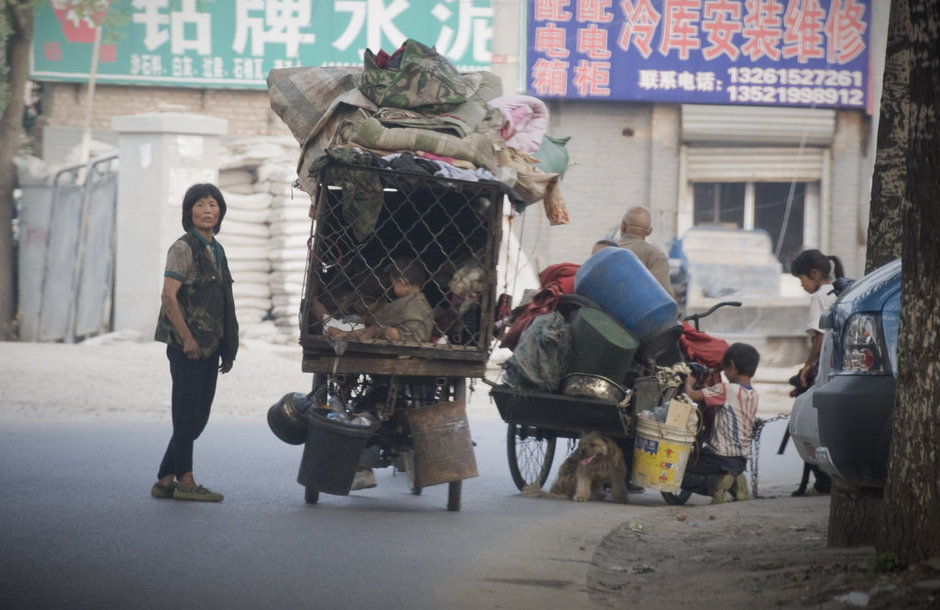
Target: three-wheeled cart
pixel 413 392
pixel 536 420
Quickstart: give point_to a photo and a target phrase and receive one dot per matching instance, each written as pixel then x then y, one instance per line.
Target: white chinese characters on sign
pixel 176 36
pixel 473 23
pixel 162 25
pixel 377 19
pixel 375 16
pixel 272 22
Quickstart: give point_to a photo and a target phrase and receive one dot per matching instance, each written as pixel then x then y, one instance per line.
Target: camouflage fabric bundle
pixel 422 79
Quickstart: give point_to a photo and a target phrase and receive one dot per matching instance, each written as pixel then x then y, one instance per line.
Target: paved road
pixel 78 528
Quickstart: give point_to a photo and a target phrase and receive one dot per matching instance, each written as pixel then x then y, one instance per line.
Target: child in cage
pixel 408 318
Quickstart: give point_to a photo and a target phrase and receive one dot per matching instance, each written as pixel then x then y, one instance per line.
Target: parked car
pixel 855 387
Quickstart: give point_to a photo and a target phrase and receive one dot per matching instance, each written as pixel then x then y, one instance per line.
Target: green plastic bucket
pixel 600 345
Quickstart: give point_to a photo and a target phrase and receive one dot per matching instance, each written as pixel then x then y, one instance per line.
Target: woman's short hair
pixel 194 194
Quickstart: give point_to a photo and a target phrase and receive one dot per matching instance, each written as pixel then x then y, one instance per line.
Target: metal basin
pixel 592 386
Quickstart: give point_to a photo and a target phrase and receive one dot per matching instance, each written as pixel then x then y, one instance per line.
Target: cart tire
pixel 677 499
pixel 311 494
pixel 531 452
pixel 453 495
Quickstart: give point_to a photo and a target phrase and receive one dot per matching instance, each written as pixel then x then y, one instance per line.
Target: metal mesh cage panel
pixel 446 230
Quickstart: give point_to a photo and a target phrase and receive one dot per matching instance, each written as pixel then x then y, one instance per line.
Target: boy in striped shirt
pixel 719 468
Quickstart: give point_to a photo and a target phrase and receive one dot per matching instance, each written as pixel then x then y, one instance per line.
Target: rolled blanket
pixel 476 148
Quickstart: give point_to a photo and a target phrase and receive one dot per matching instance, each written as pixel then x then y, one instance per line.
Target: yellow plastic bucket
pixel 660 454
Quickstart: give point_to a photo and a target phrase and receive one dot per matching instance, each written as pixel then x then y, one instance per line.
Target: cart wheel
pixel 677 499
pixel 311 494
pixel 530 452
pixel 453 495
pixel 408 461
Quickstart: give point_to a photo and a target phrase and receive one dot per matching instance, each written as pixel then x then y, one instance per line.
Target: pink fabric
pixel 525 119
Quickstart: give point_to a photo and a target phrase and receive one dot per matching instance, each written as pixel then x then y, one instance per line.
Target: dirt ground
pixel 763 552
pixel 767 552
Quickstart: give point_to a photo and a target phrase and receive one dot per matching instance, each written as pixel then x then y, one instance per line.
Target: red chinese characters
pixel 721 21
pixel 762 29
pixel 845 30
pixel 680 27
pixel 640 21
pixel 803 33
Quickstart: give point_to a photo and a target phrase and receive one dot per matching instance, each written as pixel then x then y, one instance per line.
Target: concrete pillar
pixel 162 154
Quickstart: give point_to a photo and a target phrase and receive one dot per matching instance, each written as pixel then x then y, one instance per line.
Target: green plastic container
pixel 600 345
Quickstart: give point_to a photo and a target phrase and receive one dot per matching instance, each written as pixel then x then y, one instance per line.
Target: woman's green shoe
pixel 196 494
pixel 162 492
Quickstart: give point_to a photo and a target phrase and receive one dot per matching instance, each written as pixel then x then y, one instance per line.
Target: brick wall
pixel 248 112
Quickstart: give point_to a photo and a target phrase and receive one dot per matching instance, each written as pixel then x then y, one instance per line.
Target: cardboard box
pixel 679 413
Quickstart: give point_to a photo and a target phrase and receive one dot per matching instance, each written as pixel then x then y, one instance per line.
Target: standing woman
pixel 197 322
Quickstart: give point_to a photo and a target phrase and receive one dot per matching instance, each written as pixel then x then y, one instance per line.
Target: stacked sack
pixel 264 233
pixel 289 231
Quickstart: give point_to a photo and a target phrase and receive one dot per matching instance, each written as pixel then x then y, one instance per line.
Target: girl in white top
pixel 816 271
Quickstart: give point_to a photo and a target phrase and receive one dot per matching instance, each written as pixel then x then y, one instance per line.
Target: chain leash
pixel 755 449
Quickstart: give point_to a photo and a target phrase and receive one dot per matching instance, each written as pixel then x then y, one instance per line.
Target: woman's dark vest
pixel 208 307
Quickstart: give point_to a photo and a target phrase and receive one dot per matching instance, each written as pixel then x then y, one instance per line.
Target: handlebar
pixel 698 316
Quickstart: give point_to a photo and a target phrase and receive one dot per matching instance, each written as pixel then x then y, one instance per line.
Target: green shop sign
pixel 234 43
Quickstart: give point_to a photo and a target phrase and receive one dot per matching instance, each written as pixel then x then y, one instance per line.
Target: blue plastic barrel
pixel 621 285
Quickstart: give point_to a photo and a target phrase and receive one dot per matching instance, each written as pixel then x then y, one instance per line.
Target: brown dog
pixel 596 461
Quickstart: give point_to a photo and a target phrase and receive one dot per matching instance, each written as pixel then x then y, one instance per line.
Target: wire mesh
pixel 365 237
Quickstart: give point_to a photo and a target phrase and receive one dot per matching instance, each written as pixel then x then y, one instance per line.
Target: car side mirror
pixel 840 284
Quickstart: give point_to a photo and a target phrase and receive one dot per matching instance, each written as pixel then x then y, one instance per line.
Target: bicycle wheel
pixel 531 452
pixel 677 499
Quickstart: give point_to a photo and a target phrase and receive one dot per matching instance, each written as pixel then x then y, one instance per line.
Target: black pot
pixel 287 418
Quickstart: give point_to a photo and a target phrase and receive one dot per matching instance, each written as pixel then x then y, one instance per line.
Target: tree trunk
pixel 889 181
pixel 854 518
pixel 20 16
pixel 911 526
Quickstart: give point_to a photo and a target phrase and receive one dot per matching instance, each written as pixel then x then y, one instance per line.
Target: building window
pixel 776 207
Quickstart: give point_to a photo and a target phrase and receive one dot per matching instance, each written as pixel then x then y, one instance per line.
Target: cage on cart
pixel 365 219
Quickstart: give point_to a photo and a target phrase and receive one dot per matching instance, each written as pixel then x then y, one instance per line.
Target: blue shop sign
pixel 754 52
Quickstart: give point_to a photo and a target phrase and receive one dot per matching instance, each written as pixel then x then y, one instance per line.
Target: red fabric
pixel 433 157
pixel 382 59
pixel 704 349
pixel 544 301
pixel 562 274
